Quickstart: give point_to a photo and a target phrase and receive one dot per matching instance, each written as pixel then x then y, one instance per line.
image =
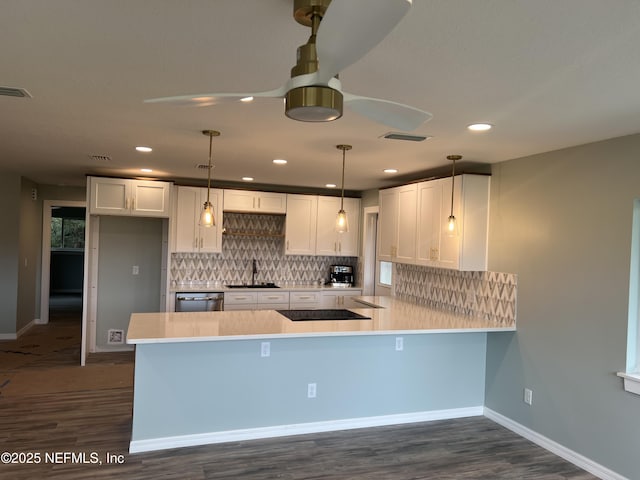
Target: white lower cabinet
pixel 294 300
pixel 342 299
pixel 190 236
pixel 256 300
pixel 304 300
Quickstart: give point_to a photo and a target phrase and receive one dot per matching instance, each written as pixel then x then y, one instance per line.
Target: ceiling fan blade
pixel 350 28
pixel 208 99
pixel 395 115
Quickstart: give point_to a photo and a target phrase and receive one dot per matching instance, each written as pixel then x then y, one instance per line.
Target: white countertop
pixel 393 317
pixel 287 287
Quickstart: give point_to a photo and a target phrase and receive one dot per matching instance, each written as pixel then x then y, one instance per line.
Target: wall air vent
pixel 405 136
pixel 14 92
pixel 100 158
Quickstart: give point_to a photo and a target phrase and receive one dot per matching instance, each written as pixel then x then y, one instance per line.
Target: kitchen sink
pixel 257 285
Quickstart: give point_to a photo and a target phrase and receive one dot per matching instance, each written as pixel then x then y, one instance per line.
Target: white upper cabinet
pixel 190 236
pixel 248 201
pixel 426 240
pixel 328 241
pixel 300 225
pixel 118 196
pixel 397 224
pixel 388 224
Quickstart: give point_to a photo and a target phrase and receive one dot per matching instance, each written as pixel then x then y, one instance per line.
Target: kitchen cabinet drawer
pixel 273 297
pixel 304 297
pixel 272 306
pixel 341 299
pixel 239 298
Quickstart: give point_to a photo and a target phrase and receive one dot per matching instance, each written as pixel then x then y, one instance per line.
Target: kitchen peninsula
pixel 211 377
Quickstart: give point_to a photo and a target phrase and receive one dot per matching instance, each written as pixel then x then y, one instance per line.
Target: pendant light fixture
pixel 207 219
pixel 342 224
pixel 451 222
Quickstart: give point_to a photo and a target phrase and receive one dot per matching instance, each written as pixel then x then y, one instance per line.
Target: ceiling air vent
pixel 405 136
pixel 14 92
pixel 100 158
pixel 203 166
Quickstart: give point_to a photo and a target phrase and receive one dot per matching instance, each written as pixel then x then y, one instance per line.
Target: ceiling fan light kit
pixel 313 104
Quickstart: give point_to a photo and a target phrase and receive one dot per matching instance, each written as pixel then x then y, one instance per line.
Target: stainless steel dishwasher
pixel 199 301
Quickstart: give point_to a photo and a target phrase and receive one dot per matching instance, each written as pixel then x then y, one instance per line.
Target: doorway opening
pixel 63 252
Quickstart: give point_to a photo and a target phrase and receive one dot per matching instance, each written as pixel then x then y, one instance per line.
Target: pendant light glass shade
pixel 342 223
pixel 452 223
pixel 207 218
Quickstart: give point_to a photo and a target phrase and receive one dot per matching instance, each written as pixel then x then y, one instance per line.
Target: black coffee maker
pixel 341 276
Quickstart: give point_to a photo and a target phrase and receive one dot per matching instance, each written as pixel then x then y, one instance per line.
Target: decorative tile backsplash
pixel 253 236
pixel 490 295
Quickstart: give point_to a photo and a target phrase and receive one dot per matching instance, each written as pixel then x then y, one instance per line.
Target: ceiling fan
pixel 342 32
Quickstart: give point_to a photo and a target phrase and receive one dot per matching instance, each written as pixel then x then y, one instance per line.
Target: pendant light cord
pixel 453 182
pixel 342 193
pixel 209 173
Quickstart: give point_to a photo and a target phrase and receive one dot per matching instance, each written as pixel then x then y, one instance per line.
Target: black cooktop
pixel 300 315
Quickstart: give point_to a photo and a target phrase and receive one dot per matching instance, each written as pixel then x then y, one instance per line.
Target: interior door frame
pixel 45 279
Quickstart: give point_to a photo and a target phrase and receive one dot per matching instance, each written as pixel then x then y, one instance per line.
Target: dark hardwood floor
pixel 98 422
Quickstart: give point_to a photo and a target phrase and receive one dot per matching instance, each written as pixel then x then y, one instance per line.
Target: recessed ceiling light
pixel 246 99
pixel 390 170
pixel 146 170
pixel 247 179
pixel 479 127
pixel 279 161
pixel 331 185
pixel 144 149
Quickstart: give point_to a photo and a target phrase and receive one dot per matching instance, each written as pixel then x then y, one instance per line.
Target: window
pixel 386 273
pixel 67 233
pixel 631 376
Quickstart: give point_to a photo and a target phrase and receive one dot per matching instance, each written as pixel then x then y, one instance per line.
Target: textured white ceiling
pixel 548 73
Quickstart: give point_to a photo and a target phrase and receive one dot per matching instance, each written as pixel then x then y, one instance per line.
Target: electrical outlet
pixel 135 270
pixel 399 344
pixel 311 390
pixel 528 396
pixel 265 349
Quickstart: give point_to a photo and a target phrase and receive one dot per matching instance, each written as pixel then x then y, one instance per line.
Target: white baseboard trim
pixel 22 331
pixel 39 321
pixel 162 443
pixel 581 461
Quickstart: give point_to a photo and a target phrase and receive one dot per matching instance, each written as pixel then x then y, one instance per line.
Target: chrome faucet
pixel 254 271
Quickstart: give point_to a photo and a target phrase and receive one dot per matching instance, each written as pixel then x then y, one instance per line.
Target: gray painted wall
pixel 9 252
pixel 125 242
pixel 191 388
pixel 562 222
pixel 30 253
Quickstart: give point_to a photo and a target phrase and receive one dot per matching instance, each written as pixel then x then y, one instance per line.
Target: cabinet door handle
pixel 287 244
pixel 239 298
pixel 273 297
pixel 335 247
pixel 254 202
pixel 340 247
pixel 201 242
pixel 258 202
pixel 304 297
